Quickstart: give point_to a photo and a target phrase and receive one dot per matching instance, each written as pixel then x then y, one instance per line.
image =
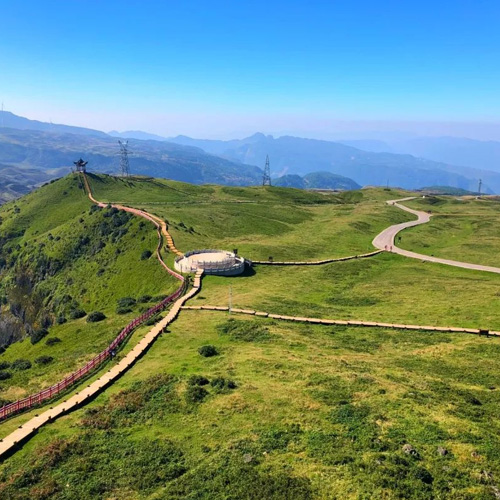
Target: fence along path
pixel 157 221
pixel 321 321
pixel 313 262
pixel 30 427
pixel 50 392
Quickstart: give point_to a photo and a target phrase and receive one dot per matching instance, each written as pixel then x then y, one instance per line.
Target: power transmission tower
pixel 479 187
pixel 124 164
pixel 266 178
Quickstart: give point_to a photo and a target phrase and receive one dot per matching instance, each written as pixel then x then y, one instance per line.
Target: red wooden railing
pixel 50 392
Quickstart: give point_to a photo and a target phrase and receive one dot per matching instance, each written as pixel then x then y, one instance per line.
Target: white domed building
pixel 218 262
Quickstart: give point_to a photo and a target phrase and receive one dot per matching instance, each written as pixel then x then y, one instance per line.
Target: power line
pixel 266 178
pixel 124 163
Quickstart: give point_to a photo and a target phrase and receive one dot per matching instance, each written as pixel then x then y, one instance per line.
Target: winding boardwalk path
pixel 313 262
pixel 9 443
pixel 385 240
pixel 322 321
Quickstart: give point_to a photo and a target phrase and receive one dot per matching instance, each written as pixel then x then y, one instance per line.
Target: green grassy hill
pixel 464 229
pixel 61 258
pixel 283 410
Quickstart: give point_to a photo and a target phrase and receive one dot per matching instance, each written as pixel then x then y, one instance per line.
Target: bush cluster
pixel 77 314
pixel 21 364
pixel 95 316
pixel 207 351
pixel 52 341
pixel 146 254
pixel 38 335
pixel 195 394
pixel 44 360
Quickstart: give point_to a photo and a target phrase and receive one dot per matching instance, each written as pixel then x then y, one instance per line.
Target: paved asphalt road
pixel 385 240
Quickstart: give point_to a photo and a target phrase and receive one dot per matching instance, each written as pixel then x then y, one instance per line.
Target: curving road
pixel 385 240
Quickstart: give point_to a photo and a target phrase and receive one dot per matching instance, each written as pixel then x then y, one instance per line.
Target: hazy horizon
pixel 321 70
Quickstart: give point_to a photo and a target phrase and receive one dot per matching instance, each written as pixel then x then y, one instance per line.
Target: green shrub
pixel 198 380
pixel 4 365
pixel 195 394
pixel 38 335
pixel 221 384
pixel 61 320
pixel 207 351
pixel 5 375
pixel 52 341
pixel 146 254
pixel 77 314
pixel 21 364
pixel 144 299
pixel 44 360
pixel 95 316
pixel 126 302
pixel 123 310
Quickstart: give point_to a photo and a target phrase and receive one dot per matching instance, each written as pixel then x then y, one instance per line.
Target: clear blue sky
pixel 224 68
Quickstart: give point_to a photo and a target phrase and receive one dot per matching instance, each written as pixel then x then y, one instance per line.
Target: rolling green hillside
pixel 461 229
pixel 283 410
pixel 60 259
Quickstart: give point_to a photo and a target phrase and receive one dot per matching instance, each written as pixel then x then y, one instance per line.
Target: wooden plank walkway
pixel 322 321
pixel 313 262
pixel 29 428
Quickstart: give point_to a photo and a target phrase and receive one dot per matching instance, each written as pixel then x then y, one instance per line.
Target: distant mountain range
pixel 30 146
pixel 10 120
pixel 48 152
pixel 15 181
pixel 294 155
pixel 484 155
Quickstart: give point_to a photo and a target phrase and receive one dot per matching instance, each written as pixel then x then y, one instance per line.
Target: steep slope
pixel 61 259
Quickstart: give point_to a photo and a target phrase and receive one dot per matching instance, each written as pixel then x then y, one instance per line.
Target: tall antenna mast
pixel 124 164
pixel 479 187
pixel 266 178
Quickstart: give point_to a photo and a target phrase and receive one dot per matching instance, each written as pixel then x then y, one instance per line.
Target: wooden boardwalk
pixel 321 321
pixel 30 427
pixel 313 262
pixel 27 429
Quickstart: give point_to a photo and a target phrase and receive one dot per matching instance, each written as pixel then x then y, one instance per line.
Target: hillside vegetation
pixel 62 259
pixel 464 229
pixel 278 410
